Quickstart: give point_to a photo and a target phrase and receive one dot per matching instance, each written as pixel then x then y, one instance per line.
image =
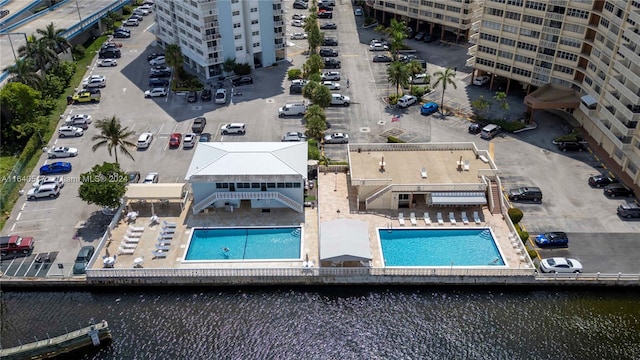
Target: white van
pixel 292 109
pixel 489 131
pixel 419 79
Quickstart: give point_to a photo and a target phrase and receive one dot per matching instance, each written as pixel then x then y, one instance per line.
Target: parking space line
pixel 13 227
pixel 18 217
pixel 47 209
pixel 26 221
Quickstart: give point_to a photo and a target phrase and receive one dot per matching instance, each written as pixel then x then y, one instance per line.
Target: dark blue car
pixel 552 239
pixel 429 108
pixel 55 168
pixel 158 82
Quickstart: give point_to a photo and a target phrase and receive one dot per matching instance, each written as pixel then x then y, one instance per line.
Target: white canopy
pixel 344 240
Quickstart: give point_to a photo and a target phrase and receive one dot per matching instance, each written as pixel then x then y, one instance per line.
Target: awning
pixel 172 191
pixel 458 198
pixel 589 101
pixel 344 240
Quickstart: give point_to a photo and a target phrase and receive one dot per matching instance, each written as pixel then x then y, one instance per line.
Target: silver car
pixel 336 138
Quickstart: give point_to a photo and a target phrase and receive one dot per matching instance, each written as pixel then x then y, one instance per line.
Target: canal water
pixel 337 322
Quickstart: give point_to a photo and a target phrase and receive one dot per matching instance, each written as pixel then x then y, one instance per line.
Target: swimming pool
pixel 255 243
pixel 439 247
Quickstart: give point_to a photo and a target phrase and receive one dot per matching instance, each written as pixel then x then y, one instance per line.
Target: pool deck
pixel 333 203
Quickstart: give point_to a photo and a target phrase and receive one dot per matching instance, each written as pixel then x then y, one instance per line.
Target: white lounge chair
pixel 423 173
pixel 133 234
pixel 427 219
pixel 131 240
pixel 166 223
pixel 165 237
pixel 168 230
pixel 466 165
pixel 123 251
pixel 165 242
pixel 412 218
pixel 136 228
pixel 126 245
pixel 452 218
pixel 163 247
pixel 476 217
pixel 465 220
pixel 439 217
pixel 401 219
pixel 159 254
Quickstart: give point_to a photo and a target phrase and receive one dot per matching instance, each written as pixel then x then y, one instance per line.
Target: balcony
pixel 541 70
pixel 471 62
pixel 548 44
pixel 538 83
pixel 472 50
pixel 474 38
pixel 550 30
pixel 628 74
pixel 554 16
pixel 544 57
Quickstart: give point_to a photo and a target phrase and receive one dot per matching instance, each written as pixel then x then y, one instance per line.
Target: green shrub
pixel 524 236
pixel 417 91
pixel 368 21
pixel 532 253
pixel 242 69
pixel 78 52
pixel 294 74
pixel 515 215
pixel 575 135
pixel 509 126
pixel 393 139
pixel 313 153
pixel 393 99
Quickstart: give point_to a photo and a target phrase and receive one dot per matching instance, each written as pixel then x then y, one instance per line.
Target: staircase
pixel 496 195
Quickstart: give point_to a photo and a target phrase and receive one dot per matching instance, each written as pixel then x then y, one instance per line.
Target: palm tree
pixel 22 71
pixel 416 68
pixel 113 136
pixel 54 38
pixel 398 74
pixel 445 78
pixel 398 32
pixel 316 122
pixel 174 58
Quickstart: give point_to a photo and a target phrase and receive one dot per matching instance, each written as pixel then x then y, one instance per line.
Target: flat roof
pixel 405 166
pixel 155 191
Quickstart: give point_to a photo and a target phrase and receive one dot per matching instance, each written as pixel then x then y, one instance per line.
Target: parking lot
pixel 597 235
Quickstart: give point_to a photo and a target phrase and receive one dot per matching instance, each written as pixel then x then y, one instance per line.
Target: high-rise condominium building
pixel 585 53
pixel 441 19
pixel 210 32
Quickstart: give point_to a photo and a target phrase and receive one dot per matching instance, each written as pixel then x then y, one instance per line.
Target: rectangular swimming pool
pixel 439 247
pixel 256 243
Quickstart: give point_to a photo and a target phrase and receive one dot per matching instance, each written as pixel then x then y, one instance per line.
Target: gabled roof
pixel 249 158
pixel 344 240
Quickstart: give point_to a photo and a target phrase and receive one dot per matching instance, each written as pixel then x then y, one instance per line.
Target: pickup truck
pixel 14 244
pixel 86 96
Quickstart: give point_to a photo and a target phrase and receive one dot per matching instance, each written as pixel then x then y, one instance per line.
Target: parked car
pixel 43 191
pixel 428 38
pixel 617 190
pixel 62 152
pixel 107 62
pixel 160 60
pixel 300 5
pixel 295 89
pixel 428 108
pixel 192 96
pixel 407 100
pixel 571 146
pixel 233 128
pixel 44 180
pixel 330 42
pixel 419 79
pixel 560 265
pixel 419 36
pixel 325 14
pixel 70 131
pixel 294 136
pixel 475 128
pixel 110 53
pixel 378 47
pixel 134 176
pixel 131 22
pixel 481 80
pixel 358 12
pixel 221 96
pixel 155 92
pixel 490 131
pixel 157 73
pixel 189 141
pixel 297 23
pixel 198 124
pixel 330 75
pixel 629 210
pixel 382 58
pixel 293 109
pixel 407 58
pixel 121 35
pixel 243 80
pixel 86 97
pixel 552 239
pixel 158 82
pixel 301 82
pixel 76 117
pixel 151 178
pixel 82 259
pixel 526 193
pixel 55 168
pixel 336 138
pixel 174 140
pixel 328 52
pixel 94 81
pixel 298 36
pixel 153 56
pixel 601 180
pixel 324 7
pixel 328 26
pixel 205 95
pixel 144 141
pixel 331 85
pixel 205 137
pixel 331 63
pixel 341 100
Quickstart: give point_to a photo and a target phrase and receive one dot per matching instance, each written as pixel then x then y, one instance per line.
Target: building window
pixel 524 59
pixel 563 69
pixel 578 13
pixel 255 33
pixel 253 9
pixel 510 29
pixel 574 28
pixel 494 12
pixel 239 48
pixel 271 185
pixel 534 5
pixel 222 185
pixel 491 25
pixel 237 25
pixel 609 6
pixel 508 42
pixel 238 36
pixel 280 185
pixel 632 167
pixel 255 185
pixel 532 19
pixel 505 54
pixel 522 72
pixel 530 33
pixel 236 13
pixel 485 62
pixel 512 15
pixel 567 56
pixel 403 196
pixel 255 45
pixel 526 46
pixel 486 49
pixel 488 37
pixel 514 2
pixel 570 42
pixel 504 67
pixel 253 22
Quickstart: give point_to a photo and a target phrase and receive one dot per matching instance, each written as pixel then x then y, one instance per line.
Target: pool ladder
pixel 486 234
pixel 389 227
pixel 295 232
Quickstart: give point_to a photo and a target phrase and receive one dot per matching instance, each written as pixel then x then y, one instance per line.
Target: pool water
pixel 439 247
pixel 245 244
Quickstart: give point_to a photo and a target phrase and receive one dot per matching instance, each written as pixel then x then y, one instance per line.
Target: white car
pixel 221 96
pixel 160 60
pixel 293 136
pixel 298 36
pixel 140 11
pixel 144 140
pixel 131 22
pixel 44 180
pixel 233 128
pixel 94 81
pixel 151 178
pixel 331 75
pixel 407 100
pixel 480 80
pixel 419 79
pixel 155 92
pixel 62 152
pixel 298 17
pixel 331 85
pixel 107 62
pixel 560 265
pixel 301 82
pixel 378 47
pixel 70 131
pixel 297 23
pixel 336 138
pixel 189 141
pixel 147 7
pixel 75 117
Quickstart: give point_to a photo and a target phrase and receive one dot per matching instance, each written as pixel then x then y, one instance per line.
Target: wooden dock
pixel 93 335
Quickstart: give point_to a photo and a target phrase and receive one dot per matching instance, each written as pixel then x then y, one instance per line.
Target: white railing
pixel 378 194
pixel 413 147
pixel 202 204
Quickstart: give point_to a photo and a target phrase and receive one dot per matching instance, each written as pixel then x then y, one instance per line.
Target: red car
pixel 174 140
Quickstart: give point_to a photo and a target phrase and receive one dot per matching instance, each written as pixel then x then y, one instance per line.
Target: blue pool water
pixel 439 247
pixel 244 244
